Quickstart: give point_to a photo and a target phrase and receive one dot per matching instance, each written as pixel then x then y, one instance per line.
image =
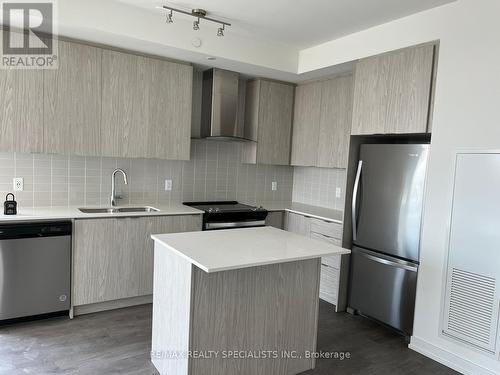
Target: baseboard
pixel 111 305
pixel 447 358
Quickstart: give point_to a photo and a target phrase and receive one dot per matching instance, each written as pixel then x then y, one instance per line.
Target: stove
pixel 229 214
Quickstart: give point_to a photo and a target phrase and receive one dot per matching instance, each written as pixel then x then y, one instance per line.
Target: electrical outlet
pixel 18 184
pixel 338 192
pixel 168 185
pixel 274 186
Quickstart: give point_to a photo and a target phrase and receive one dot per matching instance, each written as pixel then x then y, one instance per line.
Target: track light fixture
pixel 199 14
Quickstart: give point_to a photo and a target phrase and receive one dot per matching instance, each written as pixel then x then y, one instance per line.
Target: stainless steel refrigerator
pixel 386 213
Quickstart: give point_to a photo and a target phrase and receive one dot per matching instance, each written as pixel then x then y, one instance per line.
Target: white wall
pixel 466 114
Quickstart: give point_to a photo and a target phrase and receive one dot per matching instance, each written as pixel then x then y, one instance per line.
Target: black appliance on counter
pixel 229 214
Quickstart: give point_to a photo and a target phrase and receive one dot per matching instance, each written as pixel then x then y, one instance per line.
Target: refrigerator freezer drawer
pixel 383 288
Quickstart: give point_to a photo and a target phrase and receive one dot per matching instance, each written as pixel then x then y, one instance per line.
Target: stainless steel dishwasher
pixel 35 269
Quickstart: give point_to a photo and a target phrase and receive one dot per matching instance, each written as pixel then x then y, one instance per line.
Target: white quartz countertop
pixel 322 213
pixel 230 249
pixel 61 213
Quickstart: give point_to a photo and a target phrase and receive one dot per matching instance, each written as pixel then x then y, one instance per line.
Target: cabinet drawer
pixel 322 237
pixel 329 284
pixel 326 228
pixel 332 261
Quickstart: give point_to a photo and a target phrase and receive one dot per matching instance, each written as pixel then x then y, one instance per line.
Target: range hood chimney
pixel 219 110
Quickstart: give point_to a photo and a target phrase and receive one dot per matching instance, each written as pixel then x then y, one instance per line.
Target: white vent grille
pixel 471 308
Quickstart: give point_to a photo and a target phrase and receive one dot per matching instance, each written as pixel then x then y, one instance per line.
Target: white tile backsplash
pixel 317 186
pixel 214 172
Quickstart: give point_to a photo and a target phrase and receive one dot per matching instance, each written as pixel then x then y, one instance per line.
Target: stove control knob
pixel 210 210
pixel 217 209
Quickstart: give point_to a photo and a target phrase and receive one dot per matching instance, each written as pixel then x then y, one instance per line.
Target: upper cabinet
pixel 21 110
pixel 392 92
pixel 322 123
pixel 72 101
pixel 125 101
pixel 98 102
pixel 170 88
pixel 146 107
pixel 335 122
pixel 268 121
pixel 307 113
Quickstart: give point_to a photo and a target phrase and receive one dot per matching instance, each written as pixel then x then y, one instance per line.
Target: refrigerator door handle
pixel 355 200
pixel 405 265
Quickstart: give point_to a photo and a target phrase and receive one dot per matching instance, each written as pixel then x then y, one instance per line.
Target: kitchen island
pixel 237 301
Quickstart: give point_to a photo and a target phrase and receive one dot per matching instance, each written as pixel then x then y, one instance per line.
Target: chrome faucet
pixel 113 194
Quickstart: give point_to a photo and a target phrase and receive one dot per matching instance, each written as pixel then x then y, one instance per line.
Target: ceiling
pixel 299 23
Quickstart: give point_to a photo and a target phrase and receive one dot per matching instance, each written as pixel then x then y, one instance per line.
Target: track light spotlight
pixel 196 24
pixel 220 31
pixel 169 17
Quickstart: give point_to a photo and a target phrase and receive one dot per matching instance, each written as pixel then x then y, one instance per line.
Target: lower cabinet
pixel 113 257
pixel 275 219
pixel 334 269
pixel 299 224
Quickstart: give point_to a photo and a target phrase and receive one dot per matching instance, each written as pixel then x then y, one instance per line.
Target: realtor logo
pixel 27 37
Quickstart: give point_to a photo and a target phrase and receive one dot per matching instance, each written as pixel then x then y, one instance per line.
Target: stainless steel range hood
pixel 220 113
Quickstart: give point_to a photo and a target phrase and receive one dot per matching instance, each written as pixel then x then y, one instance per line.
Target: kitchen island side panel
pixel 171 311
pixel 254 310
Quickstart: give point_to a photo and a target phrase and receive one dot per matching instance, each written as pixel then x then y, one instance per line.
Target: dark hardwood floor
pixel 118 342
pixel 375 350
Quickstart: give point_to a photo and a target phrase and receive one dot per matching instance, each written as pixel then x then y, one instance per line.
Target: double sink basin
pixel 118 210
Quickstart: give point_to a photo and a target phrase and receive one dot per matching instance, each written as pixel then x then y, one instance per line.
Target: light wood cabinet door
pixel 306 121
pixel 275 123
pixel 146 107
pixel 268 121
pixel 113 257
pixel 275 219
pixel 170 88
pixel 335 122
pixel 410 90
pixel 125 101
pixel 72 101
pixel 392 92
pixel 21 110
pixel 298 224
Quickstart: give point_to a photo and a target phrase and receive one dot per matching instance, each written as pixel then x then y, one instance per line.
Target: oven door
pixel 233 224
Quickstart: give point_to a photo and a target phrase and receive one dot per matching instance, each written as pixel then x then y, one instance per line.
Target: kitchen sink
pixel 138 209
pixel 117 210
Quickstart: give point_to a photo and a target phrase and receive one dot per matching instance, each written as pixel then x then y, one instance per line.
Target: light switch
pixel 338 192
pixel 274 186
pixel 168 185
